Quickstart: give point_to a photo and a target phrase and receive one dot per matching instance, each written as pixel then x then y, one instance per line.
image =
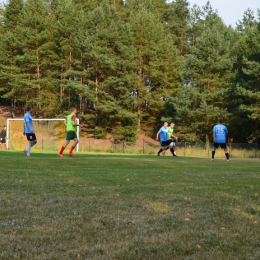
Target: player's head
pixel 74 110
pixel 172 124
pixel 165 124
pixel 5 127
pixel 29 109
pixel 220 120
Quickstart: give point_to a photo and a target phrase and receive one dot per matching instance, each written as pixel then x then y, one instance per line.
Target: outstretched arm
pixel 175 137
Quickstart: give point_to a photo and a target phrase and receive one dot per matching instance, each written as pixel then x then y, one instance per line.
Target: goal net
pixel 50 134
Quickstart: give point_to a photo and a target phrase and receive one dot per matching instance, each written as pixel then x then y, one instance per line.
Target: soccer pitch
pixel 109 206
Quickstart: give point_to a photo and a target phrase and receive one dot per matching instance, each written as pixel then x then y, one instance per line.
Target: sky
pixel 230 10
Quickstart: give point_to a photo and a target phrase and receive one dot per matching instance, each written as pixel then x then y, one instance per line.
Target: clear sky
pixel 230 10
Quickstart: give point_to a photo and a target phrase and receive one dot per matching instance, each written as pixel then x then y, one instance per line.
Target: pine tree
pixel 246 112
pixel 110 64
pixel 208 80
pixel 242 125
pixel 12 78
pixel 35 35
pixel 156 65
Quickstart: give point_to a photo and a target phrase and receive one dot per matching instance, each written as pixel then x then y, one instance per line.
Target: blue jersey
pixel 164 133
pixel 28 118
pixel 220 133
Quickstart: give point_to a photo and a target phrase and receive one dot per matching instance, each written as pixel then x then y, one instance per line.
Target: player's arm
pixel 73 120
pixel 175 137
pixel 214 136
pixel 29 127
pixel 65 122
pixel 157 136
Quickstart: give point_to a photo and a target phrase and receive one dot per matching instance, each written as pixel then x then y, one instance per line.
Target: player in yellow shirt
pixel 71 125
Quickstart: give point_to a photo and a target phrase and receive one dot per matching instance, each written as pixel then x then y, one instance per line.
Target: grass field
pixel 110 206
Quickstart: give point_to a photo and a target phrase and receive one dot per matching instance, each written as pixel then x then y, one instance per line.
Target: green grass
pixel 110 206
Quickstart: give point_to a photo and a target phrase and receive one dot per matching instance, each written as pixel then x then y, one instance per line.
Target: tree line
pixel 130 65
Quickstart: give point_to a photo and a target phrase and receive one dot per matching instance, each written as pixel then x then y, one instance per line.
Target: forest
pixel 127 66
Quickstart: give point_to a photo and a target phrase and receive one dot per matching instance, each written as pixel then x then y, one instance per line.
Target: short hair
pixel 28 109
pixel 172 123
pixel 220 120
pixel 73 109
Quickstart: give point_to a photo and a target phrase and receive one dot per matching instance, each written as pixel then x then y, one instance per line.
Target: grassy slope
pixel 128 207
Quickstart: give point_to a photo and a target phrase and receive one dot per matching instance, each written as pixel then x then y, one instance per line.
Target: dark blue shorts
pixel 222 145
pixel 165 143
pixel 31 137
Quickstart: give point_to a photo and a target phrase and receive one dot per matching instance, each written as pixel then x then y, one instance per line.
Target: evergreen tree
pixel 11 77
pixel 35 35
pixel 246 112
pixel 208 79
pixel 110 63
pixel 157 65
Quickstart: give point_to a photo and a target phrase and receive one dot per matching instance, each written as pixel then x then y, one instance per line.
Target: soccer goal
pixel 50 134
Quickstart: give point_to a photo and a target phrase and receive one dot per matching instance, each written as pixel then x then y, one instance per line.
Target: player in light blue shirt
pixel 29 131
pixel 166 142
pixel 219 138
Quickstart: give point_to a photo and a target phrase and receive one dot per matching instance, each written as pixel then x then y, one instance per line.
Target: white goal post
pixel 50 133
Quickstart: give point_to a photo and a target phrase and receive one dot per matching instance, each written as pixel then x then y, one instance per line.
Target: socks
pixel 213 154
pixel 227 156
pixel 62 149
pixel 71 149
pixel 160 151
pixel 28 147
pixel 32 144
pixel 172 151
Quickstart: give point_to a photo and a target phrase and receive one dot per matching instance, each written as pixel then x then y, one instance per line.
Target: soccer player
pixel 164 138
pixel 171 136
pixel 29 131
pixel 71 125
pixel 3 137
pixel 219 138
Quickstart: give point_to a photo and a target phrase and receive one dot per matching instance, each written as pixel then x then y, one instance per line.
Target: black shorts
pixel 3 141
pixel 165 143
pixel 222 145
pixel 31 137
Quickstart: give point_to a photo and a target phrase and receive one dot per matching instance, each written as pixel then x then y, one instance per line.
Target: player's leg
pixel 226 151
pixel 76 141
pixel 173 152
pixel 172 145
pixel 215 146
pixel 31 138
pixel 32 142
pixel 63 147
pixel 162 149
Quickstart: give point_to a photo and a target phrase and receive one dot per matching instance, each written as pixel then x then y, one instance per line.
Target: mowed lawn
pixel 107 206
